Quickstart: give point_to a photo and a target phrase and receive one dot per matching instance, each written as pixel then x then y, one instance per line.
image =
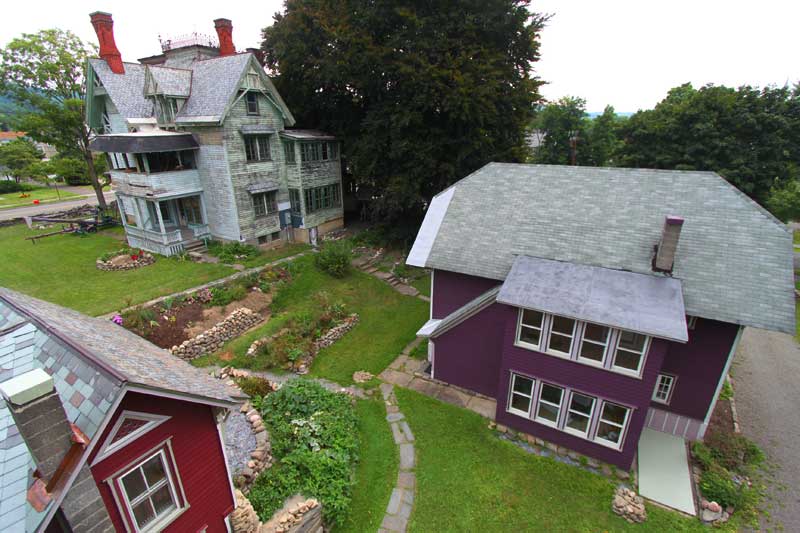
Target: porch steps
pixel 195 246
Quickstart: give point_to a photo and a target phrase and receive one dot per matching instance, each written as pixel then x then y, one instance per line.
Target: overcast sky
pixel 626 53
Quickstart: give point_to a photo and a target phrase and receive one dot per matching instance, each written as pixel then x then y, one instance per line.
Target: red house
pixel 103 431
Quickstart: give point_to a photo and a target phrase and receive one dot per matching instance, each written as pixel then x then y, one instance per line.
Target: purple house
pixel 593 303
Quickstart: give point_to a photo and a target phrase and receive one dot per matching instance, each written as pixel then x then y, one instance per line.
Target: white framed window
pixel 594 344
pixel 129 426
pixel 629 353
pixel 663 390
pixel 611 424
pixel 149 493
pixel 562 333
pixel 530 327
pixel 548 408
pixel 521 395
pixel 579 414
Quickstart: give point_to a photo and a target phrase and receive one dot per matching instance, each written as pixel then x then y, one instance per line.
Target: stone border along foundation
pixel 303 365
pixel 236 323
pixel 298 515
pixel 401 502
pixel 144 260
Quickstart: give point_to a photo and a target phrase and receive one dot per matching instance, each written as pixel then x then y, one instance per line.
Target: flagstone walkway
pixel 401 502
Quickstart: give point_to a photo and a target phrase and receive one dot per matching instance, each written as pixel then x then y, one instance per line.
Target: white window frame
pixel 645 350
pixel 586 360
pixel 572 336
pixel 110 447
pixel 541 329
pixel 160 522
pixel 623 428
pixel 512 392
pixel 560 407
pixel 569 409
pixel 670 387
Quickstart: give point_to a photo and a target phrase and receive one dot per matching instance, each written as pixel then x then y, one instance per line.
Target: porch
pixel 664 473
pixel 164 226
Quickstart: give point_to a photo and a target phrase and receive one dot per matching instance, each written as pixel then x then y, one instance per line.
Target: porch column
pixel 121 208
pixel 203 208
pixel 160 221
pixel 139 217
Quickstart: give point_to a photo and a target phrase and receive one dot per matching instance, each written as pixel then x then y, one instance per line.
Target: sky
pixel 626 53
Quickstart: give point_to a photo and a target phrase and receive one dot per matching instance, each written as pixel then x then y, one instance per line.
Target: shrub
pixel 334 258
pixel 733 451
pixel 254 386
pixel 232 252
pixel 223 295
pixel 703 455
pixel 717 485
pixel 314 440
pixel 139 318
pixel 9 186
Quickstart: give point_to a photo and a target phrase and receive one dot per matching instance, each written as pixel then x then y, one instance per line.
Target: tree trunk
pixel 96 185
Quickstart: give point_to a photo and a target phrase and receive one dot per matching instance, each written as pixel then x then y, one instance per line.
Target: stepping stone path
pixel 367 264
pixel 401 503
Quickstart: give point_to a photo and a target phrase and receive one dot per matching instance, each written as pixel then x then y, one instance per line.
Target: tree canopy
pixel 420 93
pixel 43 75
pixel 17 158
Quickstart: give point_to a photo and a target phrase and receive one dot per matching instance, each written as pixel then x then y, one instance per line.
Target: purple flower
pixel 117 319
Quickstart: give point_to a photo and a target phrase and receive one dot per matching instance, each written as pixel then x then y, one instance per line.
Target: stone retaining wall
pixel 332 335
pixel 212 339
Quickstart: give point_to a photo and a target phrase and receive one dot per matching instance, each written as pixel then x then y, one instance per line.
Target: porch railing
pixel 168 243
pixel 200 231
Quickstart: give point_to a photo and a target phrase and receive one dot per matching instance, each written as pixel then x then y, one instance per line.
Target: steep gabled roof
pixel 734 259
pixel 126 90
pixel 167 81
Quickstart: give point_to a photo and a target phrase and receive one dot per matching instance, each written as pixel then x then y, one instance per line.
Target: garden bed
pixel 124 259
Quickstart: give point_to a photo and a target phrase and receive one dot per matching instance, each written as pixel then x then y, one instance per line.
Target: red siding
pixel 698 366
pixel 452 290
pixel 198 455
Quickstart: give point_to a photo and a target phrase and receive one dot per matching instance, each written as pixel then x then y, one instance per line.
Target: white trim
pixel 430 314
pixel 571 336
pixel 204 400
pixel 722 378
pixel 642 359
pixel 110 447
pixel 541 328
pixel 512 392
pixel 590 416
pixel 421 250
pixel 160 522
pixel 545 421
pixel 623 429
pixel 670 387
pixel 432 357
pixel 582 338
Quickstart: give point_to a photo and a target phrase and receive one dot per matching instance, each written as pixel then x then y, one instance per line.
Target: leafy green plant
pixel 315 442
pixel 9 186
pixel 734 452
pixel 254 386
pixel 334 258
pixel 727 391
pixel 232 252
pixel 717 485
pixel 702 454
pixel 223 295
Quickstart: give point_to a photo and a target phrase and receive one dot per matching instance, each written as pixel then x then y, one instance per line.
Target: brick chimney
pixel 104 28
pixel 668 245
pixel 224 29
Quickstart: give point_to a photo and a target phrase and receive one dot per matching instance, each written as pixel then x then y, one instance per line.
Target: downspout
pixel 722 379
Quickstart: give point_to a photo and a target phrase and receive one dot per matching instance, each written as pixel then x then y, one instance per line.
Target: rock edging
pixel 401 502
pixel 112 265
pixel 629 505
pixel 236 323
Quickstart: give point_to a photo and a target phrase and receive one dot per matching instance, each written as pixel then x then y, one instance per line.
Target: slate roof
pixel 126 90
pixel 308 135
pixel 214 82
pixel 171 81
pixel 734 259
pixel 91 360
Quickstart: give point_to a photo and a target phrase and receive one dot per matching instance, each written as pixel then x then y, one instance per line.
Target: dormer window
pixel 251 99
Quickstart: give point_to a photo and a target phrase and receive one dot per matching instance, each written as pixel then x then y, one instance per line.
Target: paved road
pixel 33 210
pixel 766 372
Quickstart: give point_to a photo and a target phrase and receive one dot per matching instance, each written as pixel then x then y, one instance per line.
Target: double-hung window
pixel 531 324
pixel 521 395
pixel 611 425
pixel 288 151
pixel 594 343
pixel 548 409
pixel 579 414
pixel 294 201
pixel 562 333
pixel 663 390
pixel 251 100
pixel 265 203
pixel 149 493
pixel 630 351
pixel 256 148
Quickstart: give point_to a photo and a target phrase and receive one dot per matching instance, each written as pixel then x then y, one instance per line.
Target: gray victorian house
pixel 198 147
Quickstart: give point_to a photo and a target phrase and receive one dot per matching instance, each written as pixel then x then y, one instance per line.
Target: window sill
pixel 523 414
pixel 161 524
pixel 579 360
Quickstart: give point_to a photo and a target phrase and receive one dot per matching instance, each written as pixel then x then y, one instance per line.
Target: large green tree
pixel 421 93
pixel 750 136
pixel 563 126
pixel 17 157
pixel 43 74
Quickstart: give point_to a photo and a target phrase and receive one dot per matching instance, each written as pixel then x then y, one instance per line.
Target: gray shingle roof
pixel 171 81
pixel 734 259
pixel 214 82
pixel 126 90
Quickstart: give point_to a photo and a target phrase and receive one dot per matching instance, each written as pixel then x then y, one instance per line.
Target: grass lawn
pixel 388 321
pixel 62 269
pixel 267 256
pixel 44 195
pixel 796 237
pixel 423 285
pixel 470 480
pixel 376 473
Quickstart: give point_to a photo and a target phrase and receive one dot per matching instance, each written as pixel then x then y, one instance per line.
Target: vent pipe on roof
pixel 104 28
pixel 668 245
pixel 224 29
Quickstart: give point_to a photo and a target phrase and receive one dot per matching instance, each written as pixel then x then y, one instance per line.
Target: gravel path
pixel 239 441
pixel 765 372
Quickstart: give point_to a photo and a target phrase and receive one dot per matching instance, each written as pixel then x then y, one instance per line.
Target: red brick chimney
pixel 104 28
pixel 224 29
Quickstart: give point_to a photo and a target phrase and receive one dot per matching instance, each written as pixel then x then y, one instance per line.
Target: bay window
pixel 611 425
pixel 521 395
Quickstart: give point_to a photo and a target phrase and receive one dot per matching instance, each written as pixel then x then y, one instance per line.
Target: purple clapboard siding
pixel 698 365
pixel 603 384
pixel 452 290
pixel 469 354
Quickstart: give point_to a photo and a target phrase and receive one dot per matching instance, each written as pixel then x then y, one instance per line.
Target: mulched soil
pixel 722 418
pixel 172 333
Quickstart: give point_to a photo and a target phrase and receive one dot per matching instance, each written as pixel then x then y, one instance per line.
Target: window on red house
pixel 149 493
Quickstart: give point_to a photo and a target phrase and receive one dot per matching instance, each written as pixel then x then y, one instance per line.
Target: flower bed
pixel 314 437
pixel 124 259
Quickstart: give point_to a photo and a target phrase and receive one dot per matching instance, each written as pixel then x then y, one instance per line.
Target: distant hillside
pixel 595 114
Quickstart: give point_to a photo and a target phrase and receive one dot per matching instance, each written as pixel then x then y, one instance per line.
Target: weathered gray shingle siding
pixel 316 174
pixel 244 173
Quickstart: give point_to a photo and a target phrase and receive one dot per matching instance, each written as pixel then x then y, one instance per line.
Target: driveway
pixel 33 210
pixel 766 372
